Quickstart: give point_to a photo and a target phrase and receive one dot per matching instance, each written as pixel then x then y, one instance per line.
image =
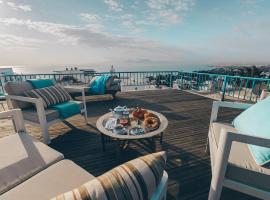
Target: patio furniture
pixel 264 94
pixel 112 88
pixel 33 109
pixel 31 170
pixel 123 140
pixel 231 161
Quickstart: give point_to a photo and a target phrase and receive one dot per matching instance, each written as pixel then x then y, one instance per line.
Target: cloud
pixel 21 7
pixel 169 11
pixel 114 5
pixel 91 18
pixel 110 47
pixel 93 21
pixel 10 42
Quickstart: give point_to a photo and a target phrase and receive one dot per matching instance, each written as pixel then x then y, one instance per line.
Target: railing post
pixel 224 85
pixel 171 84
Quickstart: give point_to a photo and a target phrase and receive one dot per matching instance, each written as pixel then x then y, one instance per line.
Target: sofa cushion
pixel 136 179
pixel 60 177
pixel 50 95
pixel 116 82
pixel 255 121
pixel 18 89
pixel 241 166
pixel 109 81
pixel 41 83
pixel 22 157
pixel 114 88
pixel 30 114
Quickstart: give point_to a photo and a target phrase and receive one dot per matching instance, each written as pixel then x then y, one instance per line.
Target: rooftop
pixel 188 114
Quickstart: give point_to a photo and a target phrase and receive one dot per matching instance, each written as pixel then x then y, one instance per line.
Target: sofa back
pixel 18 89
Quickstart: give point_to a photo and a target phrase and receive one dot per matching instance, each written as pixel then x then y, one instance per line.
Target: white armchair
pixel 231 162
pixel 33 109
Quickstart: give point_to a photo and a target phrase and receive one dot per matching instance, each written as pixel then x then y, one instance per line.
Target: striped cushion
pixel 50 95
pixel 136 179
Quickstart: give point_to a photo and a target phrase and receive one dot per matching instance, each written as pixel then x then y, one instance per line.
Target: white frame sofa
pixel 231 161
pixel 33 110
pixel 31 170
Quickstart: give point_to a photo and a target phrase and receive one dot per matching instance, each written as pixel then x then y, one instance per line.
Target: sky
pixel 134 34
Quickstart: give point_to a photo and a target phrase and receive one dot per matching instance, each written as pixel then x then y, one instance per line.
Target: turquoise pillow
pixel 255 121
pixel 41 83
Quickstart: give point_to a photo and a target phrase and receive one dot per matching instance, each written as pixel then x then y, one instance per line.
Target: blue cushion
pixel 255 121
pixel 67 109
pixel 98 85
pixel 41 83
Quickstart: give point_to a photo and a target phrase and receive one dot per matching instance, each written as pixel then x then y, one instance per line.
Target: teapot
pixel 118 111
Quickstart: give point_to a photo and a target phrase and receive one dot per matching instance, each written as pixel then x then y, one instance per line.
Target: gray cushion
pixel 18 89
pixel 116 82
pixel 56 179
pixel 242 166
pixel 109 82
pixel 22 157
pixel 30 114
pixel 114 88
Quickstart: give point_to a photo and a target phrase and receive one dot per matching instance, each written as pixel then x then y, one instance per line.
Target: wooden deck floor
pixel 188 165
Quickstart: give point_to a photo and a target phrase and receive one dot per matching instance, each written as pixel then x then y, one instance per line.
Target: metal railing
pixel 139 78
pixel 220 86
pixel 224 86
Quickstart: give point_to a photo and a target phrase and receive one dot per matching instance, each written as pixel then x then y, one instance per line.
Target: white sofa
pixel 31 170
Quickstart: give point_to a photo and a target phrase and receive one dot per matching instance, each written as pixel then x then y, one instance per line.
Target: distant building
pixel 112 70
pixel 75 70
pixel 6 71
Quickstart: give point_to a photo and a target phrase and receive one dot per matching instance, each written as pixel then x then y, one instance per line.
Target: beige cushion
pixel 21 157
pixel 136 179
pixel 242 166
pixel 18 89
pixel 60 177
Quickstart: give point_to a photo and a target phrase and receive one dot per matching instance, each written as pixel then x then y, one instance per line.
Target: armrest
pixel 226 104
pixel 244 138
pixel 37 102
pixel 223 153
pixel 17 117
pixel 25 99
pixel 71 89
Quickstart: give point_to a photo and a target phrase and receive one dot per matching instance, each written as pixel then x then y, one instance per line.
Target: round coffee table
pixel 124 140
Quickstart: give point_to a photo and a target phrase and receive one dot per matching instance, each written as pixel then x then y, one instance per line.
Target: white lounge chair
pixel 231 162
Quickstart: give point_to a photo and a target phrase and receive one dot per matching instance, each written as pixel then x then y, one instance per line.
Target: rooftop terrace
pixel 188 115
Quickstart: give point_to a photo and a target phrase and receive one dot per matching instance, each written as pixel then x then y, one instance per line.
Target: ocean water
pixel 51 69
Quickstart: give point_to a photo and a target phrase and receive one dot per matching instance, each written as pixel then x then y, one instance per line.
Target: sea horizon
pixel 53 69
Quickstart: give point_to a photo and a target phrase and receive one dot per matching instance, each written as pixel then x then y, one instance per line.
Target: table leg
pixel 161 138
pixel 153 144
pixel 84 105
pixel 118 149
pixel 103 142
